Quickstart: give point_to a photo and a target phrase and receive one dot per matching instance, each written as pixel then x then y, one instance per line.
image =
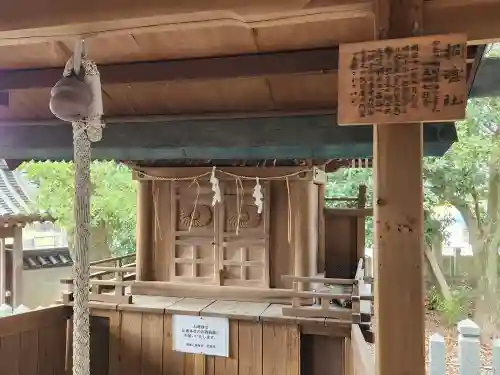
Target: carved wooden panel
pixel 244 251
pixel 194 255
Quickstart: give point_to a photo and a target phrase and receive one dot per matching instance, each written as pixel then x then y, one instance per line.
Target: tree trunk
pixel 438 274
pixel 99 246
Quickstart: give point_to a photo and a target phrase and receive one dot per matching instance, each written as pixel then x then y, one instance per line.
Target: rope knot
pixel 92 129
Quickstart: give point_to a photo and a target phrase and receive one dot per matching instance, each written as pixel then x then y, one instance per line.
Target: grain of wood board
pixel 229 365
pixel 152 344
pixel 173 362
pixel 188 306
pixel 115 320
pixel 235 310
pixel 131 343
pixel 149 304
pixel 281 351
pixel 435 91
pixel 10 353
pixel 29 350
pixel 250 348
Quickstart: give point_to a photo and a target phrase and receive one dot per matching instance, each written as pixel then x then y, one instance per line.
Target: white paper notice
pixel 201 335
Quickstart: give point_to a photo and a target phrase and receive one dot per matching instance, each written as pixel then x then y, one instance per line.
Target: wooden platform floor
pixel 252 311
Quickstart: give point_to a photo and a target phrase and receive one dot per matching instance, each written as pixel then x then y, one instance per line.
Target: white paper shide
pixel 201 335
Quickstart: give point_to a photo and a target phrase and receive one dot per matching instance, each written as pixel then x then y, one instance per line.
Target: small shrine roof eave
pixel 16 206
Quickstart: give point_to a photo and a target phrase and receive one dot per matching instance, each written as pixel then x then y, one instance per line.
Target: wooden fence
pixel 468 353
pixel 34 342
pixel 109 279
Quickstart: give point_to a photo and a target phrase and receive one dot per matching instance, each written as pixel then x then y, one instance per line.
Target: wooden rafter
pixel 65 21
pixel 115 18
pixel 243 138
pixel 241 66
pixel 314 61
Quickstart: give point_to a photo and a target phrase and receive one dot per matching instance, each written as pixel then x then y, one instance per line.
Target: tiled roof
pixel 46 258
pixel 16 206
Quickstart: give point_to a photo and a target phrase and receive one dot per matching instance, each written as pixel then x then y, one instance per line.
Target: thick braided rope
pixel 81 319
pixel 84 132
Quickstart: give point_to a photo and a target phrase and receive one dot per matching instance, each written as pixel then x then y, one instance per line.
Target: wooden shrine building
pixel 256 89
pixel 16 211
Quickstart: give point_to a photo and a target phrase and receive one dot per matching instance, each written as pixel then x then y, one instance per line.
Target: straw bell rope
pixel 84 132
pixel 77 98
pixel 157 232
pixel 289 211
pixel 195 206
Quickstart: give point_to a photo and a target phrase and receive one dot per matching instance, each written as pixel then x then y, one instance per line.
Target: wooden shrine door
pixel 209 247
pixel 244 249
pixel 195 250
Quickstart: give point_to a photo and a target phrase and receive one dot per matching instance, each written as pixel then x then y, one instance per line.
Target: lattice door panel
pixel 194 256
pixel 244 252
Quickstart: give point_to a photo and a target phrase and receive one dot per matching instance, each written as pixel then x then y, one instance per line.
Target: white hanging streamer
pixel 217 195
pixel 257 195
pixel 215 188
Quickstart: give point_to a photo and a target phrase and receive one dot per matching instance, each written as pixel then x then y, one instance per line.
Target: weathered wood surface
pixel 403 80
pixel 34 343
pixel 257 138
pixel 255 348
pixel 141 343
pixel 241 66
pixel 398 218
pixel 248 311
pixel 362 359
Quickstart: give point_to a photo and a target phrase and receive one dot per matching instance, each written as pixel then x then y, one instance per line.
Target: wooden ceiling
pixel 127 31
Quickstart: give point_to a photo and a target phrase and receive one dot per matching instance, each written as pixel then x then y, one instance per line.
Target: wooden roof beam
pixel 95 18
pixel 241 66
pixel 69 20
pixel 247 138
pixel 477 18
pixel 322 60
pixel 14 15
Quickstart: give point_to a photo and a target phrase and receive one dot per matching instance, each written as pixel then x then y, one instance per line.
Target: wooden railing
pixel 322 296
pixel 35 342
pixel 323 292
pixel 109 279
pixel 362 358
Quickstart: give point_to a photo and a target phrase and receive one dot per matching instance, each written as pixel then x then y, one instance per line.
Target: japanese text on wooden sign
pixel 418 79
pixel 201 335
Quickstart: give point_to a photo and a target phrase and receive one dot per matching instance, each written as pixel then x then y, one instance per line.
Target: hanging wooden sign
pixel 418 79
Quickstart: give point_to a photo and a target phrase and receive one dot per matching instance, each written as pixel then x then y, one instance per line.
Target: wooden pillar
pixel 398 221
pixel 144 230
pixel 321 229
pixel 360 224
pixel 300 232
pixel 17 267
pixel 3 271
pixel 399 299
pixel 312 228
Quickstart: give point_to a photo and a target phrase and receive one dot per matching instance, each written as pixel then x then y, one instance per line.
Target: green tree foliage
pixel 468 177
pixel 113 199
pixel 345 183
